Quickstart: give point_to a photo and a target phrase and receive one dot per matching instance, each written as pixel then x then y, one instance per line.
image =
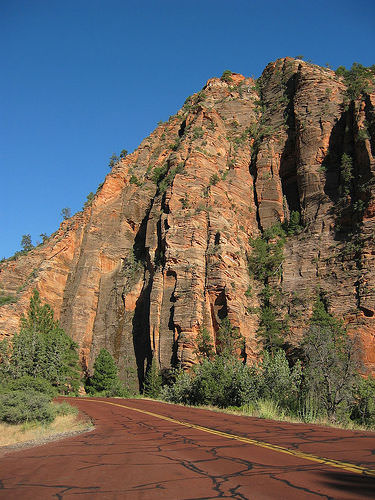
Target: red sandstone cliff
pixel 163 249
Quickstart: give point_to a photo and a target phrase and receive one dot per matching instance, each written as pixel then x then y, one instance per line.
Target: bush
pixel 17 407
pixel 364 406
pixel 222 382
pixel 279 382
pixel 179 391
pixel 117 390
pixel 134 180
pixel 62 409
pixel 269 409
pixel 37 384
pixel 7 299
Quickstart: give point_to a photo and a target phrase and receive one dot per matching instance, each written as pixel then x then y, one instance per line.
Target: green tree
pixel 43 349
pixel 271 330
pixel 44 237
pixel 204 343
pixel 153 380
pixel 65 213
pixel 123 154
pixel 293 226
pixel 332 362
pixel 346 169
pixel 26 243
pixel 265 262
pixel 113 160
pixel 89 200
pixel 267 255
pixel 278 381
pixel 105 372
pixel 359 79
pixel 364 401
pixel 229 340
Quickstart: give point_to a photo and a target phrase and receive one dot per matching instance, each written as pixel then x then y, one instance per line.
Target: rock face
pixel 163 249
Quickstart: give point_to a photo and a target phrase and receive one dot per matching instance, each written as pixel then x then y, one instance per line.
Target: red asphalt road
pixel 132 455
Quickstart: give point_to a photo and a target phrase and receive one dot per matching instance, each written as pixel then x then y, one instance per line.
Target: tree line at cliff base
pixel 320 380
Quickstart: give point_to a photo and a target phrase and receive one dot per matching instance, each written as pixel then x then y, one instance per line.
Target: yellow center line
pixel 357 469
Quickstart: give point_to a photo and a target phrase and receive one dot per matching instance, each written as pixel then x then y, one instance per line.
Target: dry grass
pixel 22 433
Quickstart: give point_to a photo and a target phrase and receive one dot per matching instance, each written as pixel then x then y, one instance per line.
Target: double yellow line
pixel 356 469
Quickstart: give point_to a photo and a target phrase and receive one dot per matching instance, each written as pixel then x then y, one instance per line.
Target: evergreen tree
pixel 346 169
pixel 26 243
pixel 89 200
pixel 229 339
pixel 113 160
pixel 205 347
pixel 43 349
pixel 65 213
pixel 153 380
pixel 105 372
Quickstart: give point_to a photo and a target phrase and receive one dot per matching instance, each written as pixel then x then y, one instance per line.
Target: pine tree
pixel 153 380
pixel 346 169
pixel 123 154
pixel 66 213
pixel 43 349
pixel 26 243
pixel 105 372
pixel 113 160
pixel 229 339
pixel 205 347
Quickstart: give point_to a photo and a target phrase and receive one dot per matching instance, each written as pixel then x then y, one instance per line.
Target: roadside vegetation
pixel 320 385
pixel 39 364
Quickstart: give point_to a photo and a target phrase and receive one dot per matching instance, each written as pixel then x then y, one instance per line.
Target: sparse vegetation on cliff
pixel 265 265
pixel 226 76
pixel 89 199
pixel 7 299
pixel 359 79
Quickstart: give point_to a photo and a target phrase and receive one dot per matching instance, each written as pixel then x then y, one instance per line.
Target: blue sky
pixel 81 79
